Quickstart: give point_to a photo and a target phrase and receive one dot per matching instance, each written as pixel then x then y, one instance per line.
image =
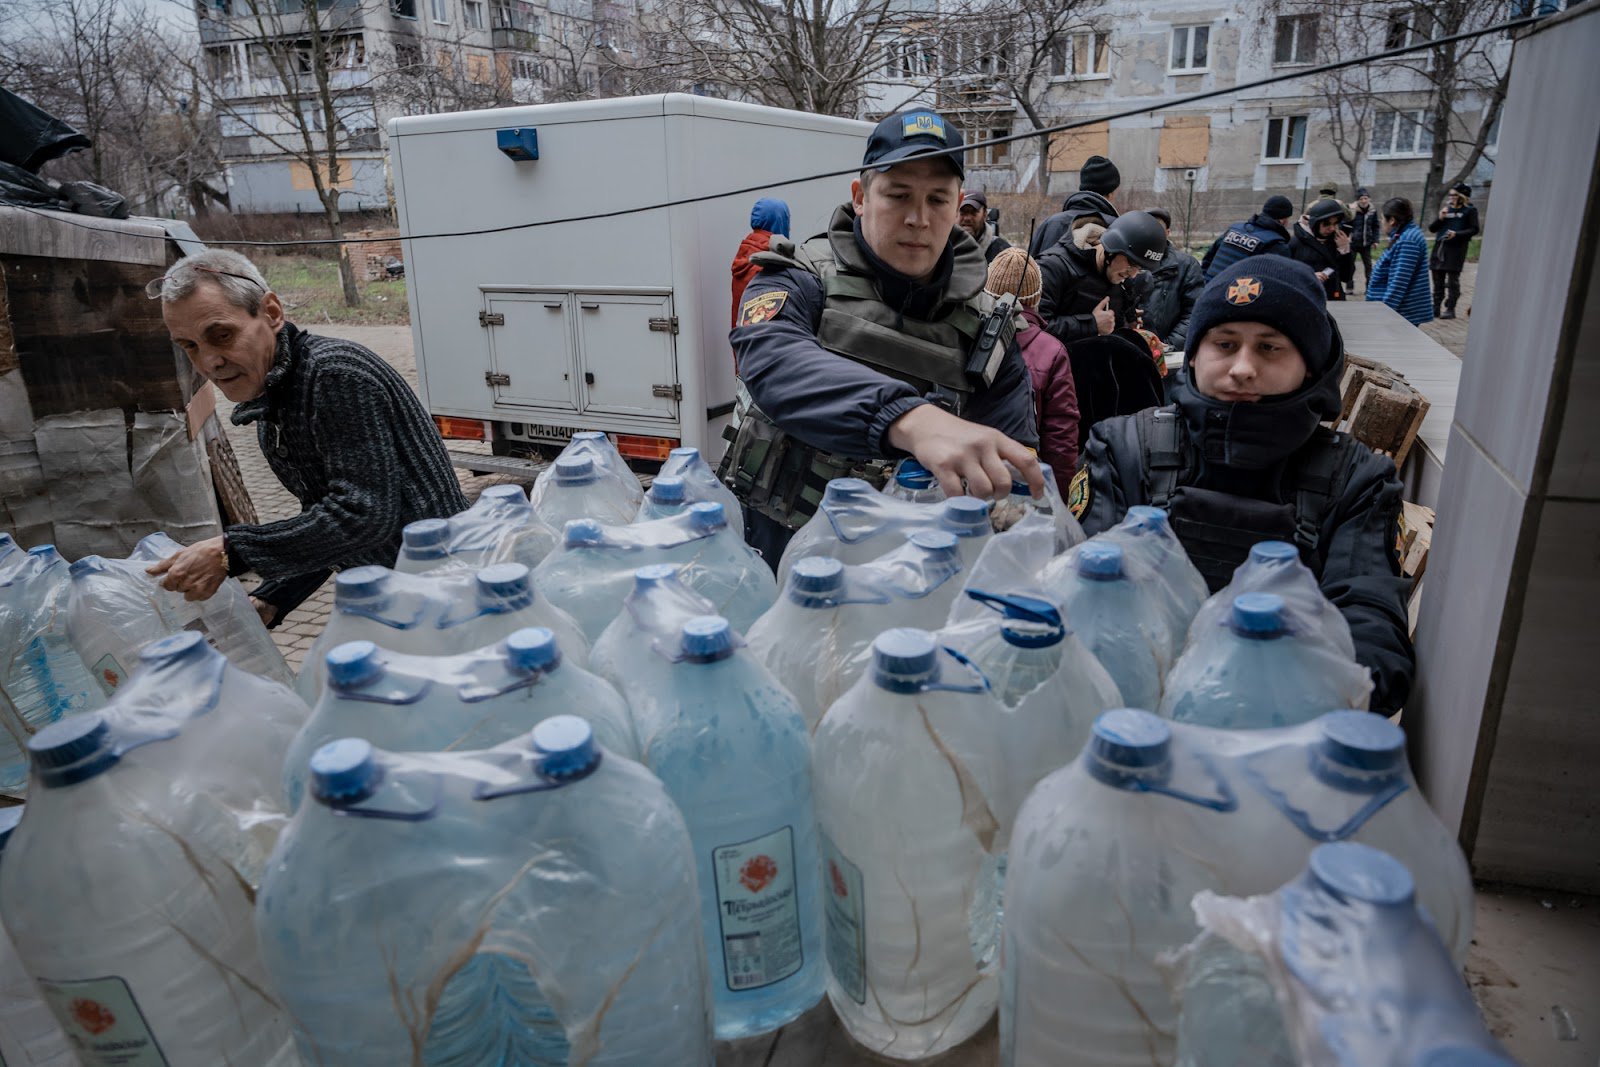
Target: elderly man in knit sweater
pixel 340 428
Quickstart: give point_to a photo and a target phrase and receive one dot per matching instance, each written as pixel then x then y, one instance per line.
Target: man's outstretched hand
pixel 197 571
pixel 954 450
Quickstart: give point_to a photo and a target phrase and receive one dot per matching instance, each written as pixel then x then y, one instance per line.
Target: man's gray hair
pixel 238 278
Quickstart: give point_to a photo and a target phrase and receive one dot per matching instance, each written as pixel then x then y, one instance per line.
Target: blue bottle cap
pixel 9 817
pixel 7 541
pixel 687 454
pixel 87 565
pixel 842 489
pixel 1130 739
pixel 575 470
pixel 426 533
pixel 940 545
pixel 353 663
pixel 532 649
pixel 653 575
pixel 504 581
pixel 47 553
pixel 965 516
pixel 582 532
pixel 505 493
pixel 707 516
pixel 566 747
pixel 817 576
pixel 706 639
pixel 667 489
pixel 904 658
pixel 344 772
pixel 913 475
pixel 359 584
pixel 72 750
pixel 1148 518
pixel 1361 872
pixel 1273 552
pixel 1362 741
pixel 1258 615
pixel 1100 561
pixel 1460 1056
pixel 589 435
pixel 185 644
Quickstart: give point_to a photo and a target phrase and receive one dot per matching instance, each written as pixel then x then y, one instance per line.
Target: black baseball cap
pixel 908 134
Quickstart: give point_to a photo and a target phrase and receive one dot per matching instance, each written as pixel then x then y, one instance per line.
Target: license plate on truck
pixel 556 435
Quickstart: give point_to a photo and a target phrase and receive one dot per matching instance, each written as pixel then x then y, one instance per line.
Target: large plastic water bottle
pixel 665 498
pixel 588 480
pixel 454 703
pixel 732 750
pixel 1106 854
pixel 1345 777
pixel 1146 535
pixel 525 904
pixel 593 571
pixel 1359 975
pixel 500 527
pixel 42 678
pixel 655 609
pixel 967 518
pixel 622 488
pixel 29 1034
pixel 1050 686
pixel 1256 672
pixel 1019 504
pixel 128 889
pixel 443 612
pixel 856 524
pixel 1275 567
pixel 906 765
pixel 1119 619
pixel 914 482
pixel 700 482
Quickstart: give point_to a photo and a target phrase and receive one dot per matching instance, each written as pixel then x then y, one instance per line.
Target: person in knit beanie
pixel 1242 455
pixel 1055 397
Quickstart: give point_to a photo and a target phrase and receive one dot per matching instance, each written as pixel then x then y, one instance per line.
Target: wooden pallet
pixel 1380 408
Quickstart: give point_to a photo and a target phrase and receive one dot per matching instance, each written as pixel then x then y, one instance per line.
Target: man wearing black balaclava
pixel 1241 457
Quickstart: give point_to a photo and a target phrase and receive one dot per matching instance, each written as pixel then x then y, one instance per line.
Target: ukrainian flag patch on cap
pixel 923 124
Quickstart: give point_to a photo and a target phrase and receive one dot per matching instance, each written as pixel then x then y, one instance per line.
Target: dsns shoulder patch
pixel 1078 493
pixel 759 309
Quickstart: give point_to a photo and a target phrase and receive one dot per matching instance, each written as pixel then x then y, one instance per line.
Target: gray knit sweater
pixel 346 435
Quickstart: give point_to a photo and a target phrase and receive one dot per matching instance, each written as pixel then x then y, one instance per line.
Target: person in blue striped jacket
pixel 1400 278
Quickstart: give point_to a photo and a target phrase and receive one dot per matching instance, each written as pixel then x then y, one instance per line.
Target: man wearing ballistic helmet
pixel 868 343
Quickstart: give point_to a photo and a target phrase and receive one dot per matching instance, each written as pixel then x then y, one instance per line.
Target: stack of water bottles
pixel 578 782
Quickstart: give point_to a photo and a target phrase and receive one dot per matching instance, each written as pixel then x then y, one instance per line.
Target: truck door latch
pixel 666 325
pixel 491 318
pixel 493 379
pixel 667 392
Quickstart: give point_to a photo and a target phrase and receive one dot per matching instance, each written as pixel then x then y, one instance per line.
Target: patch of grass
pixel 311 294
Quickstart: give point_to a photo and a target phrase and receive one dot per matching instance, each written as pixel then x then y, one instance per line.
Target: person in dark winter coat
pixel 974 218
pixel 1365 230
pixel 1456 226
pixel 1085 213
pixel 1320 243
pixel 1262 234
pixel 1173 288
pixel 340 428
pixel 1241 457
pixel 768 217
pixel 1055 398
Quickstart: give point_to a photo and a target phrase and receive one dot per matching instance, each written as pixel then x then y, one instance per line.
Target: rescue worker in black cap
pixel 1320 243
pixel 1262 234
pixel 874 341
pixel 1241 457
pixel 1091 304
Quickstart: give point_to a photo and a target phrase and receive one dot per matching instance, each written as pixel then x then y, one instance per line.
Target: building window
pixel 1190 49
pixel 1296 40
pixel 1399 134
pixel 441 10
pixel 526 68
pixel 406 9
pixel 1085 54
pixel 1402 31
pixel 472 14
pixel 407 55
pixel 984 154
pixel 1286 140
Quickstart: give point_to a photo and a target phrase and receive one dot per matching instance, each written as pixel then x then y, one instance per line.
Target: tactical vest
pixel 1218 529
pixel 781 477
pixel 1240 241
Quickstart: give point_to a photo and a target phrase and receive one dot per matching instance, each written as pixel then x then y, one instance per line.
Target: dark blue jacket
pixel 1259 235
pixel 841 406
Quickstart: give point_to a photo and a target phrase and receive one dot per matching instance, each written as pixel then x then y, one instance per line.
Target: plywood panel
pixel 1069 151
pixel 1185 140
pixel 30 232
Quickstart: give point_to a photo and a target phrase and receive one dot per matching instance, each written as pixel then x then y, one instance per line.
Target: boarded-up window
pixel 478 69
pixel 300 174
pixel 1185 140
pixel 1069 151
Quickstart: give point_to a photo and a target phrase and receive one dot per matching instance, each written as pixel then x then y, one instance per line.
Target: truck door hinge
pixel 668 325
pixel 491 318
pixel 491 378
pixel 667 392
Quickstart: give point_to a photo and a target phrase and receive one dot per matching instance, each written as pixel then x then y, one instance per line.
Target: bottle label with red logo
pixel 103 1022
pixel 108 672
pixel 758 909
pixel 844 911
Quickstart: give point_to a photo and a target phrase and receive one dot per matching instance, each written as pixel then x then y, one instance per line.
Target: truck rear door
pixel 531 338
pixel 627 354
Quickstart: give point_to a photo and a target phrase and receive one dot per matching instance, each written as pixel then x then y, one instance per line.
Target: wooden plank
pixel 1374 331
pixel 233 497
pixel 63 235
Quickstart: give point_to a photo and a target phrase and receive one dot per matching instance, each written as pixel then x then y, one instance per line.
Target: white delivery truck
pixel 618 320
